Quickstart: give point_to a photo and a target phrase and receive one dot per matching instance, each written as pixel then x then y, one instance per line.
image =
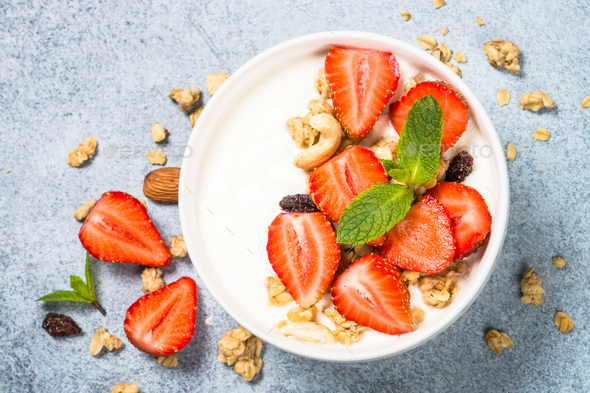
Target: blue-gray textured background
pixel 74 69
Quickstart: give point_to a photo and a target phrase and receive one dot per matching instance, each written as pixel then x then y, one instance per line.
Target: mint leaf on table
pixel 82 292
pixel 373 212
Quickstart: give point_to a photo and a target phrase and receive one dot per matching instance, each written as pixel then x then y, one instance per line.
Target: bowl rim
pixel 494 242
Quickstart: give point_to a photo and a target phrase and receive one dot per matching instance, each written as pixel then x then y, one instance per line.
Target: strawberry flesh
pixel 334 184
pixel 469 214
pixel 118 229
pixel 303 252
pixel 362 83
pixel 372 292
pixel 423 240
pixel 163 322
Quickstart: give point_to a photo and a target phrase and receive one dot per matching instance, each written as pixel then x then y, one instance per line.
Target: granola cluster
pixel 125 388
pixel 81 212
pixel 563 322
pixel 239 348
pixel 151 279
pixel 301 131
pixel 185 98
pixel 347 332
pixel 278 294
pixel 158 132
pixel 502 53
pixel 168 361
pixel 156 157
pixel 177 246
pixel 498 341
pixel 82 152
pixel 535 101
pixel 440 290
pixel 322 85
pixel 386 148
pixel 531 288
pixel 214 81
pixel 103 339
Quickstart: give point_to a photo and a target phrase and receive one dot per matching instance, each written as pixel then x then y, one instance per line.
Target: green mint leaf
pixel 419 144
pixel 373 212
pixel 89 280
pixel 59 296
pixel 80 287
pixel 401 175
pixel 388 164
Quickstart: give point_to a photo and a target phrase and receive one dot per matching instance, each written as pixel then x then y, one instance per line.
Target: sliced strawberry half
pixel 334 184
pixel 118 229
pixel 303 252
pixel 423 240
pixel 163 322
pixel 362 83
pixel 469 214
pixel 450 100
pixel 372 292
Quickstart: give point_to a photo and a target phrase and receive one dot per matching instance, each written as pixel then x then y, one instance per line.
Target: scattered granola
pixel 442 52
pixel 460 57
pixel 502 53
pixel 177 246
pixel 185 98
pixel 158 132
pixel 168 361
pixel 156 157
pixel 347 332
pixel 300 314
pixel 322 85
pixel 541 134
pixel 438 3
pixel 559 262
pixel 480 21
pixel 307 331
pixel 59 325
pixel 194 115
pixel 535 101
pixel 427 42
pixel 460 167
pixel 498 341
pixel 278 294
pixel 418 315
pixel 152 280
pixel 444 31
pixel 511 151
pixel 125 388
pixel 413 81
pixel 82 152
pixel 503 97
pixel 101 339
pixel 214 81
pixel 531 288
pixel 455 69
pixel 440 290
pixel 406 15
pixel 81 212
pixel 563 322
pixel 298 203
pixel 386 148
pixel 585 103
pixel 240 348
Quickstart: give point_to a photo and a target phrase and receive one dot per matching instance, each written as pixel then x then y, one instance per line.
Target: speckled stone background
pixel 69 70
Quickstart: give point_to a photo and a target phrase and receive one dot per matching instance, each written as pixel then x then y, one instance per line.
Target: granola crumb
pixel 444 31
pixel 585 102
pixel 503 97
pixel 308 331
pixel 511 151
pixel 563 322
pixel 278 294
pixel 300 314
pixel 438 3
pixel 125 388
pixel 177 246
pixel 185 98
pixel 322 85
pixel 427 42
pixel 559 262
pixel 455 69
pixel 302 133
pixel 418 316
pixel 535 101
pixel 156 157
pixel 442 52
pixel 102 339
pixel 531 288
pixel 194 115
pixel 386 148
pixel 241 349
pixel 480 21
pixel 498 341
pixel 406 15
pixel 168 361
pixel 158 132
pixel 413 81
pixel 460 57
pixel 502 53
pixel 410 277
pixel 347 332
pixel 82 152
pixel 81 212
pixel 541 134
pixel 441 289
pixel 7 170
pixel 214 81
pixel 209 320
pixel 152 280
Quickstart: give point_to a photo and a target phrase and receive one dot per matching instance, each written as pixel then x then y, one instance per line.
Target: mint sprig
pixel 82 292
pixel 376 210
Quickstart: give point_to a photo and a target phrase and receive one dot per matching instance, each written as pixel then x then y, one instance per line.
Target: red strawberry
pixel 372 292
pixel 423 240
pixel 450 101
pixel 334 184
pixel 469 214
pixel 362 83
pixel 302 250
pixel 377 242
pixel 118 229
pixel 163 322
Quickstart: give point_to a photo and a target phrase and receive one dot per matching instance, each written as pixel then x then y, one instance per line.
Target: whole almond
pixel 161 185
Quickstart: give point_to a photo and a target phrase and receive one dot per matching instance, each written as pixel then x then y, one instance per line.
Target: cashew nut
pixel 330 136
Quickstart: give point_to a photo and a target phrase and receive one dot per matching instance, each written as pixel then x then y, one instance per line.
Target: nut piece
pixel 308 331
pixel 82 152
pixel 442 52
pixel 438 3
pixel 418 315
pixel 177 246
pixel 125 388
pixel 241 348
pixel 347 332
pixel 185 98
pixel 559 262
pixel 535 101
pixel 460 57
pixel 511 151
pixel 502 53
pixel 161 185
pixel 386 148
pixel 152 279
pixel 410 277
pixel 531 288
pixel 480 21
pixel 168 361
pixel 427 42
pixel 156 157
pixel 444 31
pixel 503 97
pixel 322 85
pixel 452 67
pixel 406 15
pixel 541 134
pixel 585 102
pixel 101 339
pixel 214 81
pixel 278 295
pixel 563 322
pixel 158 132
pixel 300 314
pixel 330 137
pixel 498 341
pixel 81 212
pixel 194 115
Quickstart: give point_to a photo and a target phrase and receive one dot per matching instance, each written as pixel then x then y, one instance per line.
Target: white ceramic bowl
pixel 240 166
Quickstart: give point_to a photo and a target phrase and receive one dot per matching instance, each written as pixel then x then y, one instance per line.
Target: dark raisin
pixel 299 203
pixel 460 167
pixel 58 325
